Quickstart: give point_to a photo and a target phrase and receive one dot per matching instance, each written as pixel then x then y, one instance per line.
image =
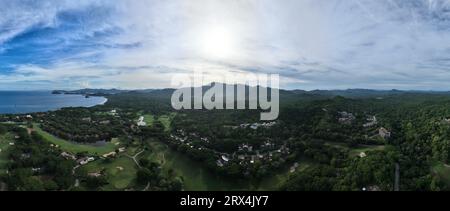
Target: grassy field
pixel 166 120
pixel 118 179
pixel 73 147
pixel 358 150
pixel 197 178
pixel 149 119
pixel 442 171
pixel 275 181
pixel 5 139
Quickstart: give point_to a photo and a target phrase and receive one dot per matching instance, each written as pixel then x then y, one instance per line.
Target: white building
pixel 141 122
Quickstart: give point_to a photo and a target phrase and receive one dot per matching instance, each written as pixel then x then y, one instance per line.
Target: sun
pixel 218 42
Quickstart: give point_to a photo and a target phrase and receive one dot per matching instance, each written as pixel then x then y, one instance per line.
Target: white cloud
pixel 311 43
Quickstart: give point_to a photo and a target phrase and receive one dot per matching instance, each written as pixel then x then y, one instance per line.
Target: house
pixel 244 125
pixel 362 155
pixel 85 160
pixel 68 156
pixel 25 155
pixel 95 174
pixel 254 126
pixel 346 117
pixel 384 133
pixel 372 121
pixel 252 161
pixel 35 169
pixel 113 112
pixel 106 122
pixel 225 158
pixel 245 147
pixel 141 122
pixel 82 161
pixel 371 188
pixel 111 154
pixel 86 119
pixel 269 124
pixel 294 167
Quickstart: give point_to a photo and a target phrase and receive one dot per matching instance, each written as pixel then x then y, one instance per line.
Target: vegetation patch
pixel 149 119
pixel 361 150
pixel 5 141
pixel 442 171
pixel 195 176
pixel 120 172
pixel 73 147
pixel 166 120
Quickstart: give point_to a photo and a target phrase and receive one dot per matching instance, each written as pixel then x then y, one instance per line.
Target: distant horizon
pixel 284 89
pixel 310 44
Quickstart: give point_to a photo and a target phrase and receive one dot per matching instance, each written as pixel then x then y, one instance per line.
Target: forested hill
pixel 322 140
pixel 160 98
pixel 348 93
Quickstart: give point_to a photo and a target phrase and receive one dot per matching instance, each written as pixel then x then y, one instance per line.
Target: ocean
pixel 21 102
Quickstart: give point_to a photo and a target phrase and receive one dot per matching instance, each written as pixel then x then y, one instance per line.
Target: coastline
pixel 103 103
pixel 26 103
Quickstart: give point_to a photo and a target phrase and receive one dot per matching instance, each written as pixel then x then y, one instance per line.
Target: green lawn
pixel 197 178
pixel 336 145
pixel 5 139
pixel 166 120
pixel 273 182
pixel 357 151
pixel 149 119
pixel 118 179
pixel 73 147
pixel 442 171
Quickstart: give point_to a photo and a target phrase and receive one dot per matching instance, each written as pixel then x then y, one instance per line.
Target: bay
pixel 20 102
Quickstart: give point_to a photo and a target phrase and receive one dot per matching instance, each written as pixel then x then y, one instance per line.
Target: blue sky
pixel 312 44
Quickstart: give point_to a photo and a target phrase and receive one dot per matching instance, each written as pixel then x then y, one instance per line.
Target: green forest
pixel 353 140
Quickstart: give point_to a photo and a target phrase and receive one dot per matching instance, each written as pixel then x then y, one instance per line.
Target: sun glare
pixel 218 42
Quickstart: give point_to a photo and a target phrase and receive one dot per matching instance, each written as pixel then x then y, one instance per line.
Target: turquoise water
pixel 19 102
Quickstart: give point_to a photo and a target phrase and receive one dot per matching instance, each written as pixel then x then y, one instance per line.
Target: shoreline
pixel 103 103
pixel 12 108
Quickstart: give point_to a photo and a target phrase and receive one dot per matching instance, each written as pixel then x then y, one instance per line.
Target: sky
pixel 139 44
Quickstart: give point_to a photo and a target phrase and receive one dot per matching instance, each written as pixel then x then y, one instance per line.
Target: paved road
pixel 2 186
pixel 397 177
pixel 134 158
